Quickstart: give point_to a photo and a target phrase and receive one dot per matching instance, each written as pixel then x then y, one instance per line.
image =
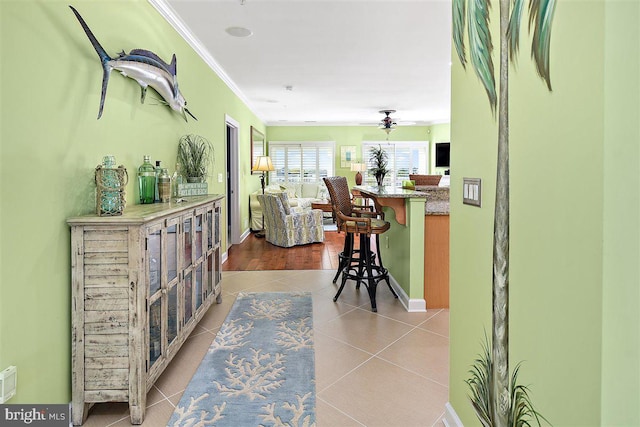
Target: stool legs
pixel 360 265
pixel 386 273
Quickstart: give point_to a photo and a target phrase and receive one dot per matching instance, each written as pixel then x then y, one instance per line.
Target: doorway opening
pixel 232 183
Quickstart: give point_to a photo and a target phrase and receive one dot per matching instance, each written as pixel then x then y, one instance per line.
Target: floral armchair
pixel 286 228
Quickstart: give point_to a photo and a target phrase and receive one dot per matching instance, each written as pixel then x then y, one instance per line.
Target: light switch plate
pixel 472 191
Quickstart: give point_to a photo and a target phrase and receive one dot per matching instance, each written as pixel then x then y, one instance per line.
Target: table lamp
pixel 263 164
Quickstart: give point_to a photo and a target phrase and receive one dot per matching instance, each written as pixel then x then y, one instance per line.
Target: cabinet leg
pixel 137 414
pixel 219 298
pixel 79 412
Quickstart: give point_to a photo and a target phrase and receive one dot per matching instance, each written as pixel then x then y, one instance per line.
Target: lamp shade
pixel 263 164
pixel 358 167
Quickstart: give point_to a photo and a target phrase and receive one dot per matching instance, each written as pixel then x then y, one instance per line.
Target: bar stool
pixel 358 264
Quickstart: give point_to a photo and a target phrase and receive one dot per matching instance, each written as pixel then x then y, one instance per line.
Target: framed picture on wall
pixel 347 155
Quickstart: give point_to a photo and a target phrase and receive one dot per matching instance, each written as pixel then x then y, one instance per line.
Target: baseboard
pixel 244 235
pixel 451 419
pixel 411 305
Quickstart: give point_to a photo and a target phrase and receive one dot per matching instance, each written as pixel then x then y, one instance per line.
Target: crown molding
pixel 170 15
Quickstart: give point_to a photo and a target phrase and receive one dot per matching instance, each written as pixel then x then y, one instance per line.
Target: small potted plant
pixel 378 158
pixel 194 154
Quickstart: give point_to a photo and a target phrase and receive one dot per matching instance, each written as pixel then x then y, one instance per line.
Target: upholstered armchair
pixel 286 228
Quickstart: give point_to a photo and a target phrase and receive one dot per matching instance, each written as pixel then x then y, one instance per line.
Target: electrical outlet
pixel 386 241
pixel 219 177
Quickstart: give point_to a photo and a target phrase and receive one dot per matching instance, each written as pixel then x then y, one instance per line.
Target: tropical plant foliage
pixel 194 154
pixel 521 413
pixel 476 13
pixel 496 399
pixel 379 160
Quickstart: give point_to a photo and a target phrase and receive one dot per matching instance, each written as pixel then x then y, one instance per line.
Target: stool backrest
pixel 340 196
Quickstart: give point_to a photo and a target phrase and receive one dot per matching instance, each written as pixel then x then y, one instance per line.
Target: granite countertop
pixel 436 207
pixel 390 192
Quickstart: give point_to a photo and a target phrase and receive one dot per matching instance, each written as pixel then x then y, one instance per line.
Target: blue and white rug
pixel 259 370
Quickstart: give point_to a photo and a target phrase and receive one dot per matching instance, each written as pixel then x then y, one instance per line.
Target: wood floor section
pixel 257 254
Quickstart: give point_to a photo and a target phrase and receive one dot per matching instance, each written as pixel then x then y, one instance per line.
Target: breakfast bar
pixel 403 245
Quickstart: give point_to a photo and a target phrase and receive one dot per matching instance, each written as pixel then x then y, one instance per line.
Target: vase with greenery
pixel 378 158
pixel 194 154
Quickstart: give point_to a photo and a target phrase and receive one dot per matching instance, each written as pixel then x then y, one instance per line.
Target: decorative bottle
pixel 109 197
pixel 156 197
pixel 164 186
pixel 176 180
pixel 146 181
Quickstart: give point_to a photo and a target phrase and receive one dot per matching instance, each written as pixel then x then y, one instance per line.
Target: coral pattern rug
pixel 259 370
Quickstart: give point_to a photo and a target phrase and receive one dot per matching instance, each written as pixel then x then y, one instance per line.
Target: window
pixel 405 157
pixel 298 162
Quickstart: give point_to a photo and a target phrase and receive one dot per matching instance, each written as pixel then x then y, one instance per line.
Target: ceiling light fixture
pixel 387 124
pixel 239 31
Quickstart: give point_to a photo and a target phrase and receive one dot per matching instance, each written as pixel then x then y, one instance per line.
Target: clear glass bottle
pixel 110 185
pixel 146 181
pixel 176 180
pixel 164 186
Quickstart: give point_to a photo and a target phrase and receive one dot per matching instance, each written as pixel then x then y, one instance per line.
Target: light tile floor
pixel 389 368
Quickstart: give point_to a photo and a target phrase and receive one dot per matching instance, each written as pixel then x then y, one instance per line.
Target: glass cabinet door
pixel 217 224
pixel 172 318
pixel 198 290
pixel 210 274
pixel 155 331
pixel 154 257
pixel 171 249
pixel 198 235
pixel 209 229
pixel 154 270
pixel 188 298
pixel 188 241
pixel 172 252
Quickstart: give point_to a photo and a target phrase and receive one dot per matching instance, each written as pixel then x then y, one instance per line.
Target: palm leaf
pixel 540 17
pixel 459 11
pixel 513 30
pixel 522 410
pixel 480 46
pixel 481 385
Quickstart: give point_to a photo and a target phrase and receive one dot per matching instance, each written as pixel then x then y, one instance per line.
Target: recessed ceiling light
pixel 239 32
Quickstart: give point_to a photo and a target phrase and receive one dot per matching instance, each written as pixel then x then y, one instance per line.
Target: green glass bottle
pixel 147 181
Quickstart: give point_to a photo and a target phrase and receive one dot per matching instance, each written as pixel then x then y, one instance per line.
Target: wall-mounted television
pixel 442 154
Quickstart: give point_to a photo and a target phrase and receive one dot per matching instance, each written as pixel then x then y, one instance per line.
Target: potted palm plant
pixel 194 154
pixel 379 159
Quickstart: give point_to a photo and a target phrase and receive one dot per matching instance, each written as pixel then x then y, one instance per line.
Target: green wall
pixel 621 246
pixel 401 239
pixel 354 135
pixel 574 220
pixel 51 142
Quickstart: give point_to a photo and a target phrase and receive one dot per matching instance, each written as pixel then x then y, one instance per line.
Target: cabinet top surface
pixel 138 214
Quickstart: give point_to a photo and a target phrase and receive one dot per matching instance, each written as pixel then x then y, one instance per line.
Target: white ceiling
pixel 344 59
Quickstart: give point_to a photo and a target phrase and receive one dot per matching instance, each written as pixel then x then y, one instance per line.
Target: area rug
pixel 259 370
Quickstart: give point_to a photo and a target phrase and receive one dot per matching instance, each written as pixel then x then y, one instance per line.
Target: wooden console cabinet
pixel 140 284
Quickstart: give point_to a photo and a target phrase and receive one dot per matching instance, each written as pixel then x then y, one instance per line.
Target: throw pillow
pixel 289 189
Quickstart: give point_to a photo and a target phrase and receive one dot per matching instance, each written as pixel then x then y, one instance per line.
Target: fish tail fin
pixel 104 57
pixel 105 81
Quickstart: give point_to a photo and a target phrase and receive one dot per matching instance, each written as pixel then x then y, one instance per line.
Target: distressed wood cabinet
pixel 140 284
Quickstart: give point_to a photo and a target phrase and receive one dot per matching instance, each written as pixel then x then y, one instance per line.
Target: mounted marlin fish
pixel 143 66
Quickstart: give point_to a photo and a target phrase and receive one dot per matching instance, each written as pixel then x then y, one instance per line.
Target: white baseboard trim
pixel 245 235
pixel 411 305
pixel 451 419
